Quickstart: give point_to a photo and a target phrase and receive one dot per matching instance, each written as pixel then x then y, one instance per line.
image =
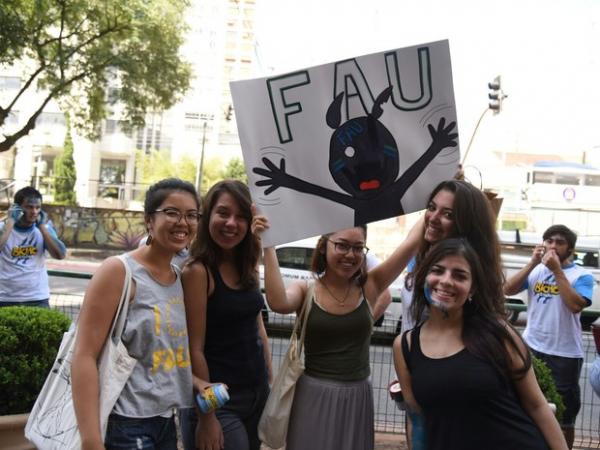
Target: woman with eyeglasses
pixel 228 341
pixel 155 331
pixel 333 401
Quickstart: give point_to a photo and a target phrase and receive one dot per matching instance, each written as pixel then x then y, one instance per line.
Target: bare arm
pixel 568 294
pixel 515 283
pixel 209 435
pixel 98 310
pixel 5 233
pixel 534 403
pixel 279 300
pixel 385 273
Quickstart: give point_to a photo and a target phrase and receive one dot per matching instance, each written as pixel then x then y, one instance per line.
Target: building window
pixel 10 83
pixel 50 119
pixel 112 178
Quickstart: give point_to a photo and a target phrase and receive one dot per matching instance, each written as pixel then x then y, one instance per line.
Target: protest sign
pixel 350 142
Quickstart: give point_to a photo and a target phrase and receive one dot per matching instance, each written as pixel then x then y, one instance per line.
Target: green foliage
pixel 85 52
pixel 158 164
pixel 547 385
pixel 64 173
pixel 236 170
pixel 29 341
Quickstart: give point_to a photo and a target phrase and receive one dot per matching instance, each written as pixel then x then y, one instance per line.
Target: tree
pixel 90 54
pixel 236 170
pixel 64 173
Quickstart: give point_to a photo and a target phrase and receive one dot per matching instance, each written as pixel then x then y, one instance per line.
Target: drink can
pixel 396 393
pixel 212 398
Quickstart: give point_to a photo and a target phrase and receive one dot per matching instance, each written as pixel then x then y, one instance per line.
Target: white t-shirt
pixel 23 275
pixel 552 328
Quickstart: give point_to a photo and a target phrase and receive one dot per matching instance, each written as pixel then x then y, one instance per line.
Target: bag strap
pixel 303 318
pixel 118 324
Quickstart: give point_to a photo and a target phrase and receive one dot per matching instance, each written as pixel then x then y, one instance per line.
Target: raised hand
pixel 259 222
pixel 42 218
pixel 15 212
pixel 442 136
pixel 276 175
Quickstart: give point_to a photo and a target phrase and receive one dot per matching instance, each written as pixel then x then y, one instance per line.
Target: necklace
pixel 341 302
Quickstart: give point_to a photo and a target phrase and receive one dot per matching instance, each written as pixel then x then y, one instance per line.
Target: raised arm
pixel 279 299
pixel 574 297
pixel 195 279
pixel 97 312
pixel 385 273
pixel 514 284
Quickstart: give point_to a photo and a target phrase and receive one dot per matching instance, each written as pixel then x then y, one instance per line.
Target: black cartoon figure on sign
pixel 364 162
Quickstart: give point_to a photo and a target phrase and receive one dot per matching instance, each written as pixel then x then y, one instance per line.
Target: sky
pixel 546 51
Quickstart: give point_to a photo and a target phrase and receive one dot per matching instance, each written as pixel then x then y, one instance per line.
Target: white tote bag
pixel 52 424
pixel 274 421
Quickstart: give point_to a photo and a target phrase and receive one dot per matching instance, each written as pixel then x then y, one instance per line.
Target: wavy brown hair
pixel 206 250
pixel 475 221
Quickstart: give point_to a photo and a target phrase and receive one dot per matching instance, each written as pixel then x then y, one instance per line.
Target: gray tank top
pixel 156 335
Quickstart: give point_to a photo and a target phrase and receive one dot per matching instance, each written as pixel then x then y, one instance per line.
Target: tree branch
pixel 10 140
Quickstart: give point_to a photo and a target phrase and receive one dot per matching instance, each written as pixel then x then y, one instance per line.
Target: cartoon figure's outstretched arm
pixel 277 177
pixel 441 137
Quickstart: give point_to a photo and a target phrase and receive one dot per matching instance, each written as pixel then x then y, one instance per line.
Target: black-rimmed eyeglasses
pixel 174 215
pixel 343 248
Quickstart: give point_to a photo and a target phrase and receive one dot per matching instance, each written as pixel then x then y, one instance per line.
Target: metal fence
pixel 388 419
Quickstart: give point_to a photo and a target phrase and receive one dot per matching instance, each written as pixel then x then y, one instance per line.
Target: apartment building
pixel 220 47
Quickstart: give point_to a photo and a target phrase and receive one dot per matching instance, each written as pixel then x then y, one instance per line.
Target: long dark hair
pixel 475 221
pixel 247 252
pixel 318 263
pixel 485 332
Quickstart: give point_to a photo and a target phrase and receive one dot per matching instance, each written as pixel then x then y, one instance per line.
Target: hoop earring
pixel 149 239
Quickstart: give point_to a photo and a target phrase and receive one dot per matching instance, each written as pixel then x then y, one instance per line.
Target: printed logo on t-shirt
pixel 545 289
pixel 170 358
pixel 23 252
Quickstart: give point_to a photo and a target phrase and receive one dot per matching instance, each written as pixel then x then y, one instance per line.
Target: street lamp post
pixel 200 163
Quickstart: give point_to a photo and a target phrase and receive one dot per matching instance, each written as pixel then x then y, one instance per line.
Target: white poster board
pixel 350 142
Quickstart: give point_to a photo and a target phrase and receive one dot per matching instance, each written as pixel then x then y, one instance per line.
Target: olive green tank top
pixel 337 346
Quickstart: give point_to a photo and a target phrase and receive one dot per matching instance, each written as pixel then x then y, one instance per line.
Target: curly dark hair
pixel 485 331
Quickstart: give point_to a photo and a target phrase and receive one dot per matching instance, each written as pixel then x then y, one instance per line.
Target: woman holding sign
pixel 333 401
pixel 228 341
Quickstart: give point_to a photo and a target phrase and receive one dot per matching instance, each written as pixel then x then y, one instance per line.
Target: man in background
pixel 25 236
pixel 558 290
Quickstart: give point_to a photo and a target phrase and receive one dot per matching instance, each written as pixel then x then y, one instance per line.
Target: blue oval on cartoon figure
pixel 212 398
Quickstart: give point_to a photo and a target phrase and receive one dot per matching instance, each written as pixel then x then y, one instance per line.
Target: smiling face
pixel 345 263
pixel 227 223
pixel 450 283
pixel 439 217
pixel 165 232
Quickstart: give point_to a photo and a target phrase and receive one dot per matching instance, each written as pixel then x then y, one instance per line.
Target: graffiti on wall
pixel 97 228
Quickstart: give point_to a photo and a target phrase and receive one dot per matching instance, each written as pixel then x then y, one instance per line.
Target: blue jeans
pixel 238 418
pixel 152 433
pixel 38 303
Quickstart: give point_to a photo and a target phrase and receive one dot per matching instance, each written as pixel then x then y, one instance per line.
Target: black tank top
pixel 467 403
pixel 233 348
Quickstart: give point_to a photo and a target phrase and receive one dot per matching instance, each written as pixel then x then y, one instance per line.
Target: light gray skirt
pixel 331 415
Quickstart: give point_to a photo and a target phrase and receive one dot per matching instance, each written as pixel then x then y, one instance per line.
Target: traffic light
pixel 496 95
